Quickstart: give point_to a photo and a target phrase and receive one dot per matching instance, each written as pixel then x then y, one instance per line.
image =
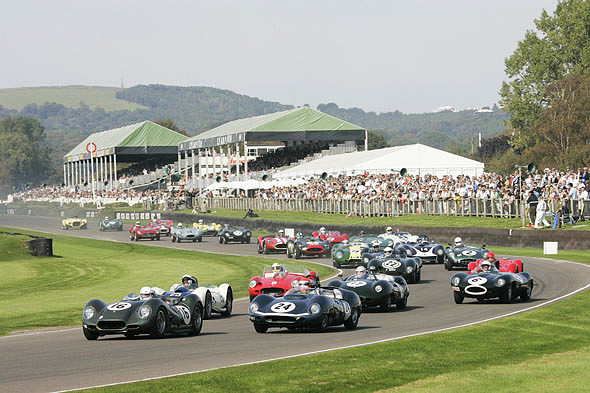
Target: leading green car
pixel 350 253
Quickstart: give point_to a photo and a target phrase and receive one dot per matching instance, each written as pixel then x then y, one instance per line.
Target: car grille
pixel 273 291
pixel 280 318
pixel 75 224
pixel 111 325
pixel 314 249
pixel 280 246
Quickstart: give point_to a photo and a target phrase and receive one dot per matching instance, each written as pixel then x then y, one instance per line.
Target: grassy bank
pixel 57 288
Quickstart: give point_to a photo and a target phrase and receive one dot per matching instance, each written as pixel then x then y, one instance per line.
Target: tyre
pixel 220 239
pixel 89 334
pixel 336 264
pixel 131 237
pixel 259 249
pixel 458 297
pixel 208 306
pixel 265 249
pixel 385 305
pixel 448 265
pixel 260 328
pixel 194 240
pixel 289 255
pixel 228 303
pixel 200 239
pixel 158 237
pixel 508 296
pixel 526 295
pixel 297 253
pixel 440 259
pixel 173 239
pixel 248 240
pixel 324 323
pixel 197 322
pixel 160 325
pixel 353 320
pixel 252 297
pixel 402 303
pixel 419 275
pixel 135 236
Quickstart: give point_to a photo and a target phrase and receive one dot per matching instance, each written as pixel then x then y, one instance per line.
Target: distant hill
pixel 68 96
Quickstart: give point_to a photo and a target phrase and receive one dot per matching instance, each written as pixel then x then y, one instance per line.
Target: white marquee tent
pixel 417 159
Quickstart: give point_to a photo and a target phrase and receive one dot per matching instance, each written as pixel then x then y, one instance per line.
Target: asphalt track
pixel 62 359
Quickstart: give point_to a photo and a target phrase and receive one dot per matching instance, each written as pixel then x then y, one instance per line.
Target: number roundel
pixel 119 306
pixel 356 284
pixel 283 307
pixel 391 264
pixel 185 312
pixel 476 286
pixel 469 253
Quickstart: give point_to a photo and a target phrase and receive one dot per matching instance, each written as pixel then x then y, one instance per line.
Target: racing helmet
pixel 486 266
pixel 323 230
pixel 106 218
pixel 490 256
pixel 345 241
pixel 314 279
pixel 304 285
pixel 458 242
pixel 201 221
pixel 189 281
pixel 281 232
pixel 137 224
pixel 277 267
pixel 422 239
pixel 389 230
pixel 388 250
pixel 376 245
pixel 360 271
pixel 179 225
pixel 298 235
pixel 145 292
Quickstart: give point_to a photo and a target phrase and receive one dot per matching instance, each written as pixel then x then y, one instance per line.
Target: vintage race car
pixel 74 223
pixel 138 232
pixel 157 315
pixel 275 283
pixel 232 234
pixel 178 234
pixel 331 236
pixel 307 246
pixel 218 299
pixel 211 229
pixel 409 268
pixel 427 251
pixel 503 265
pixel 163 226
pixel 505 286
pixel 399 237
pixel 461 256
pixel 350 254
pixel 316 308
pixel 376 290
pixel 110 224
pixel 268 244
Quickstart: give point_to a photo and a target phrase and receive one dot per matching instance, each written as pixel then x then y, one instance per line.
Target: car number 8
pixel 283 307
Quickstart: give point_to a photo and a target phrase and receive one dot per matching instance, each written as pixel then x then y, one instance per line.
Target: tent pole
pixel 192 168
pixel 115 167
pixel 245 158
pixel 366 140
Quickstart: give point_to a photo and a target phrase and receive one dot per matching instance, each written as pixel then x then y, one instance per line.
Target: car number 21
pixel 283 307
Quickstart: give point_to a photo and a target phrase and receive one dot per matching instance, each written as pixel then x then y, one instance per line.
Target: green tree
pixel 25 158
pixel 171 125
pixel 559 48
pixel 376 141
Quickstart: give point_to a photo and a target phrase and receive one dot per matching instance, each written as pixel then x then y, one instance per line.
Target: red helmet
pixel 490 255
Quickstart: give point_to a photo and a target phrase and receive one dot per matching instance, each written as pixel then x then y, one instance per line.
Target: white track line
pixel 347 346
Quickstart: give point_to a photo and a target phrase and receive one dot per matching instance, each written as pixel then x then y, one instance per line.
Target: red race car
pixel 503 265
pixel 138 232
pixel 163 226
pixel 277 280
pixel 268 244
pixel 332 236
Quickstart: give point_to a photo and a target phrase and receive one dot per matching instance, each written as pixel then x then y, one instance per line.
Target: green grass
pixel 69 96
pixel 57 288
pixel 513 354
pixel 13 247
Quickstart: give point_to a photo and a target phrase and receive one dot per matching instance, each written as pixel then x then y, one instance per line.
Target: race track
pixel 61 359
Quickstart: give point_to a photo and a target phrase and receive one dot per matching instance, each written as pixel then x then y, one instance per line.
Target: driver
pixel 304 286
pixel 106 218
pixel 179 225
pixel 281 233
pixel 491 257
pixel 360 272
pixel 299 235
pixel 277 268
pixel 189 281
pixel 145 293
pixel 388 251
pixel 137 224
pixel 201 222
pixel 389 231
pixel 322 230
pixel 314 279
pixel 486 267
pixel 423 239
pixel 345 242
pixel 376 246
pixel 458 242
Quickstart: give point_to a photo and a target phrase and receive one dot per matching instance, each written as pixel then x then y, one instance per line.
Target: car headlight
pixel 315 308
pixel 227 234
pixel 294 283
pixel 248 234
pixel 89 312
pixel 339 254
pixel 252 283
pixel 144 311
pixel 409 269
pixel 455 281
pixel 451 253
pixel 366 259
pixel 253 307
pixel 440 251
pixel 500 282
pixel 378 288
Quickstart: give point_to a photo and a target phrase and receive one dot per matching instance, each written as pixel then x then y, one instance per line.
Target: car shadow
pixel 147 337
pixel 328 330
pixel 423 281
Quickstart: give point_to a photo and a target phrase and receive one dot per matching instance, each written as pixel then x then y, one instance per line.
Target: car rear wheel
pixel 448 265
pixel 131 237
pixel 458 297
pixel 260 328
pixel 197 322
pixel 228 303
pixel 265 249
pixel 353 320
pixel 160 324
pixel 324 323
pixel 252 297
pixel 289 254
pixel 89 334
pixel 158 237
pixel 200 239
pixel 208 306
pixel 221 240
pixel 526 295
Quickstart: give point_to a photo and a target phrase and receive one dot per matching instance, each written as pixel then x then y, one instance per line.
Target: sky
pixel 412 56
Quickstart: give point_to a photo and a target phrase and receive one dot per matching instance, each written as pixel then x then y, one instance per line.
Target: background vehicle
pixel 74 223
pixel 211 229
pixel 307 246
pixel 178 234
pixel 276 283
pixel 110 224
pixel 233 234
pixel 461 256
pixel 218 299
pixel 138 232
pixel 163 226
pixel 268 244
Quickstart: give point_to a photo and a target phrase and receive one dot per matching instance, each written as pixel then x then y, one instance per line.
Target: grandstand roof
pixel 135 139
pixel 298 124
pixel 418 159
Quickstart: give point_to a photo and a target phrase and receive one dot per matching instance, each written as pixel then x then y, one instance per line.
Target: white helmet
pixel 361 270
pixel 458 242
pixel 388 250
pixel 137 224
pixel 389 229
pixel 145 292
pixel 179 225
pixel 486 263
pixel 345 241
pixel 281 232
pixel 106 218
pixel 323 230
pixel 201 221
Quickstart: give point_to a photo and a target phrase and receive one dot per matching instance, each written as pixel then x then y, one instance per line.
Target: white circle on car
pixel 356 284
pixel 391 264
pixel 119 306
pixel 185 312
pixel 477 280
pixel 469 253
pixel 283 307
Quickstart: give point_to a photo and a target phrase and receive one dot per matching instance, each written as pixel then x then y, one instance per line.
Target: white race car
pixel 399 237
pixel 215 298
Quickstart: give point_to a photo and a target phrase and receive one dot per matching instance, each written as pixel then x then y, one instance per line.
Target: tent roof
pixel 138 138
pixel 293 124
pixel 417 159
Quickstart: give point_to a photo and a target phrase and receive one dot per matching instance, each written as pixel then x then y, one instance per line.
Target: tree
pixel 562 48
pixel 25 159
pixel 376 141
pixel 171 125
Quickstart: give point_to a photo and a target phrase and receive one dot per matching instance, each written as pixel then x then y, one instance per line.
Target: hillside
pixel 68 96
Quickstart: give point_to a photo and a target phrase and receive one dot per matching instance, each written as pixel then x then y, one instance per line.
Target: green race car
pixel 460 255
pixel 349 253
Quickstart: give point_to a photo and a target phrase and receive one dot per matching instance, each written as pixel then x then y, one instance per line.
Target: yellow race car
pixel 74 223
pixel 208 229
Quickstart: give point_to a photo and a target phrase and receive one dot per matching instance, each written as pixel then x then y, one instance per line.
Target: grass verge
pixel 58 287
